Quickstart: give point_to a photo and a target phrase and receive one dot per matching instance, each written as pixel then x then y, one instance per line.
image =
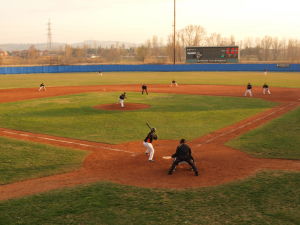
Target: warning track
pixel 126 163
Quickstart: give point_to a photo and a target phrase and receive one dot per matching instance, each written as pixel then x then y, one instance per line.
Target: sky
pixel 136 21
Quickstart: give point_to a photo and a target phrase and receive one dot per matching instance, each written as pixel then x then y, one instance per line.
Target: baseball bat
pixel 148 125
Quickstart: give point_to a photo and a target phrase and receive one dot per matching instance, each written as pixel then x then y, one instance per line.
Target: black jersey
pixel 144 87
pixel 42 85
pixel 151 135
pixel 265 86
pixel 183 152
pixel 249 86
pixel 122 96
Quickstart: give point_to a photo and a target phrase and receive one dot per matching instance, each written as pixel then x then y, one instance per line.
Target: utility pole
pixel 174 35
pixel 49 41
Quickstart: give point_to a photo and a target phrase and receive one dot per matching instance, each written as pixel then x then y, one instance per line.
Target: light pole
pixel 174 35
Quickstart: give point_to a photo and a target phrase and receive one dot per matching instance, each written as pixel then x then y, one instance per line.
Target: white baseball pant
pixel 150 149
pixel 122 102
pixel 248 91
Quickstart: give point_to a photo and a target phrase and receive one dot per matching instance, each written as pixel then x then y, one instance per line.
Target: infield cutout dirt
pixel 127 164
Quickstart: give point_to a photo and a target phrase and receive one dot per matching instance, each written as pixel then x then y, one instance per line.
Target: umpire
pixel 183 154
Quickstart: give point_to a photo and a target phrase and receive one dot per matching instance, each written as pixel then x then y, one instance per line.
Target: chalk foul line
pixel 67 142
pixel 245 125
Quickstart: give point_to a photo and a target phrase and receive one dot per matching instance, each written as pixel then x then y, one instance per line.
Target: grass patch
pixel 20 160
pixel 80 79
pixel 174 116
pixel 268 198
pixel 277 139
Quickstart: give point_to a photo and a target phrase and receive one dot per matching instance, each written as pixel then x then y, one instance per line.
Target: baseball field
pixel 72 155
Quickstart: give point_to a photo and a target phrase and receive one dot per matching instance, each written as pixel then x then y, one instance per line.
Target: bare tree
pixel 276 47
pixel 293 50
pixel 266 44
pixel 32 52
pixel 214 39
pixel 142 53
pixel 192 35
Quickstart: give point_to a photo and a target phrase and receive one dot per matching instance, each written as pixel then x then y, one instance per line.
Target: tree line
pixel 252 50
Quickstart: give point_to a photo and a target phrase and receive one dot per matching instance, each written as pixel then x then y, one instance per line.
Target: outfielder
pixel 148 144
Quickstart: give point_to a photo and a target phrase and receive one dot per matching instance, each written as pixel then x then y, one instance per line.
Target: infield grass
pixel 279 138
pixel 268 198
pixel 20 160
pixel 82 79
pixel 175 116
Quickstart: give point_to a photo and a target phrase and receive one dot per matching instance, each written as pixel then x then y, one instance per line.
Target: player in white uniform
pixel 248 90
pixel 266 89
pixel 122 98
pixel 148 144
pixel 174 83
pixel 42 87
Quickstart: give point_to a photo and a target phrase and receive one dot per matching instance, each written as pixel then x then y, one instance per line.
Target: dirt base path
pixel 127 164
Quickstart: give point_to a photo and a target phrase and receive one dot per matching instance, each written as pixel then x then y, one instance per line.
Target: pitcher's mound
pixel 117 106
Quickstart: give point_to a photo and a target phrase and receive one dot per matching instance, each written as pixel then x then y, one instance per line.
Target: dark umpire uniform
pixel 183 154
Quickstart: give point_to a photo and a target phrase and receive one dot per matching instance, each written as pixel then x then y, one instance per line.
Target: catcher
pixel 183 154
pixel 148 144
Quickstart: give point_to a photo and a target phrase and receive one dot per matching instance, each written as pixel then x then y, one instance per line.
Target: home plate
pixel 166 157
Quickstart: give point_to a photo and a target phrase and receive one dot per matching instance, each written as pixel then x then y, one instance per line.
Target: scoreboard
pixel 224 54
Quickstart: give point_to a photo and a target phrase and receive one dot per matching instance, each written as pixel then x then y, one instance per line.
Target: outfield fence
pixel 151 68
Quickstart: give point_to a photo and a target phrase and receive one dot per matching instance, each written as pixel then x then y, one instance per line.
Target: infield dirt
pixel 126 163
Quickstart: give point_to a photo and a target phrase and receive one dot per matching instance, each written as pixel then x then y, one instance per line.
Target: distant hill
pixel 56 46
pixel 104 44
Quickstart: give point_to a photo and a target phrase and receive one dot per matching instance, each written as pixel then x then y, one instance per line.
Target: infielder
pixel 266 89
pixel 248 90
pixel 144 89
pixel 183 154
pixel 122 98
pixel 148 144
pixel 42 87
pixel 174 83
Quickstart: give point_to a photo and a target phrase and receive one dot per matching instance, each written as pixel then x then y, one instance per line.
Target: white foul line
pixel 68 142
pixel 244 125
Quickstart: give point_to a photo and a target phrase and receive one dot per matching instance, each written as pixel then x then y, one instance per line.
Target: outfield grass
pixel 221 78
pixel 277 139
pixel 175 116
pixel 20 160
pixel 268 198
